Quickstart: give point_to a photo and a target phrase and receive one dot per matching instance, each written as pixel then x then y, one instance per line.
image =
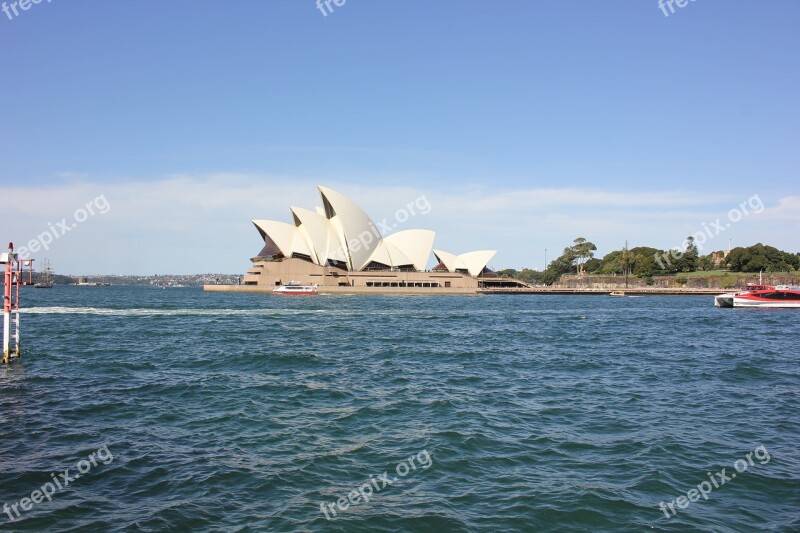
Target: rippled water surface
pixel 221 412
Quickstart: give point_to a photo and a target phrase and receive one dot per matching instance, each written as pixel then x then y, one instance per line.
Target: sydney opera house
pixel 338 247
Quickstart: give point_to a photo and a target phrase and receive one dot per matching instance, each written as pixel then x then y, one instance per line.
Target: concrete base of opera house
pixel 266 274
pixel 264 289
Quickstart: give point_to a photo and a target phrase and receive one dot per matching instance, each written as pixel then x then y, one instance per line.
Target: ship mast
pixel 625 261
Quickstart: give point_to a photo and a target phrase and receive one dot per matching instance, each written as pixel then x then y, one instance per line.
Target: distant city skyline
pixel 525 126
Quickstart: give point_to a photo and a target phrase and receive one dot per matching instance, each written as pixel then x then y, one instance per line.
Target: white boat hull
pixel 724 300
pixel 742 302
pixel 296 290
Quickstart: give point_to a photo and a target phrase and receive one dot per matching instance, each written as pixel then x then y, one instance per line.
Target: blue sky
pixel 526 124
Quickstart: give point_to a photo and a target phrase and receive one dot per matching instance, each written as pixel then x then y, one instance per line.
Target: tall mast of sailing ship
pixel 625 260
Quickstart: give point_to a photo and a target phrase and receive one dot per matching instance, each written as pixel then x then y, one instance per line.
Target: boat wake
pixel 165 312
pixel 146 312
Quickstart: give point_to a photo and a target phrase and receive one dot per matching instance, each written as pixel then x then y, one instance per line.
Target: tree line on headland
pixel 646 262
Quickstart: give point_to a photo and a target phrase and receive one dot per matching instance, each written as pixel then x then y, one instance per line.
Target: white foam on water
pixel 163 312
pixel 145 312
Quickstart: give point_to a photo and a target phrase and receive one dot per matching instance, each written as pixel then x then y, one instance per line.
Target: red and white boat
pixel 772 297
pixel 295 288
pixel 761 296
pixel 726 300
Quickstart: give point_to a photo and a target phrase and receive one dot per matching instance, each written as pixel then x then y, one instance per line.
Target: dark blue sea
pixel 140 409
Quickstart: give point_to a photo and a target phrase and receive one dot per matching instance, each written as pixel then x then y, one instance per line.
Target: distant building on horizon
pixel 718 258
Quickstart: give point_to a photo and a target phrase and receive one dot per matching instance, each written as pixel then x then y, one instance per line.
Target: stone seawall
pixel 721 282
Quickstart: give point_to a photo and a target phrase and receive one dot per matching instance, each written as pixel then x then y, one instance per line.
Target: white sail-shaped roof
pixel 341 231
pixel 450 261
pixel 285 236
pixel 472 262
pixel 416 245
pixel 353 226
pixel 388 254
pixel 319 234
pixel 476 261
pixel 381 255
pixel 281 233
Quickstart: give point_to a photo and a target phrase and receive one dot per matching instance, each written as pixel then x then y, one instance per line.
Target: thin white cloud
pixel 187 223
pixel 483 199
pixel 67 174
pixel 788 209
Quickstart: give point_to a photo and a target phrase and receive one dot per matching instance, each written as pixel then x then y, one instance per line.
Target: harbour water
pixel 183 410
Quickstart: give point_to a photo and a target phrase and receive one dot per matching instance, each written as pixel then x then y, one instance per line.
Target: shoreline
pixel 650 291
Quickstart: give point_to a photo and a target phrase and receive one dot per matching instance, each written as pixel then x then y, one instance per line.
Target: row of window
pixel 405 284
pixel 780 296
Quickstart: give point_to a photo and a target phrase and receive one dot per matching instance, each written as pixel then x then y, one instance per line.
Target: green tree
pixel 760 257
pixel 705 263
pixel 612 263
pixel 687 261
pixel 593 266
pixel 642 261
pixel 559 266
pixel 582 250
pixel 737 259
pixel 530 276
pixel 644 265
